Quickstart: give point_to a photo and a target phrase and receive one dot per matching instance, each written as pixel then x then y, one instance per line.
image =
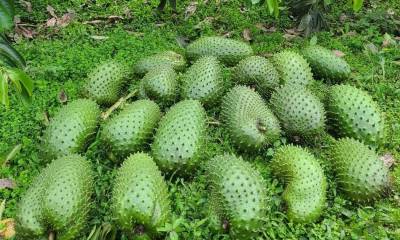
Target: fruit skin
pixel 59 199
pixel 71 128
pixel 238 195
pixel 305 192
pixel 292 68
pixel 325 64
pixel 104 83
pixel 299 111
pixel 228 51
pixel 249 121
pixel 258 71
pixel 180 139
pixel 132 128
pixel 203 81
pixel 162 59
pixel 140 195
pixel 361 175
pixel 160 85
pixel 353 113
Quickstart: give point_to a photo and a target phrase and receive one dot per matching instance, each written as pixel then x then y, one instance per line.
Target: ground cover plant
pixel 64 41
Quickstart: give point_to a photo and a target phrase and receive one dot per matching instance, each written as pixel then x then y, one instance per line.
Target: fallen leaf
pixel 372 48
pixel 137 34
pixel 27 5
pixel 338 53
pixel 128 13
pixel 7 183
pixel 343 18
pixel 62 97
pixel 182 41
pixel 51 22
pixel 114 18
pixel 266 54
pixel 25 32
pixel 96 37
pixel 65 19
pixel 93 22
pixel 51 11
pixel 289 37
pixel 8 156
pixel 227 34
pixel 8 231
pixel 160 24
pixel 264 28
pixel 190 10
pixel 247 35
pixel 388 159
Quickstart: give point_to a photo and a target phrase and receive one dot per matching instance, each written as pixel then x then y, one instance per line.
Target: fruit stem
pixel 116 105
pixel 139 230
pixel 225 225
pixel 52 236
pixel 261 127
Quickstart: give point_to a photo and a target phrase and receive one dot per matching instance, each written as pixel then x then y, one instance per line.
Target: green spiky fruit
pixel 104 83
pixel 305 193
pixel 299 111
pixel 353 113
pixel 132 128
pixel 71 128
pixel 238 196
pixel 58 201
pixel 325 64
pixel 140 196
pixel 162 59
pixel 292 68
pixel 160 85
pixel 228 51
pixel 258 71
pixel 249 121
pixel 361 175
pixel 203 81
pixel 180 138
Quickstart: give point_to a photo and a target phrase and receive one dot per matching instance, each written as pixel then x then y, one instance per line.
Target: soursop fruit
pixel 180 139
pixel 58 201
pixel 131 129
pixel 238 196
pixel 292 68
pixel 162 59
pixel 257 71
pixel 228 51
pixel 325 64
pixel 299 111
pixel 305 192
pixel 160 85
pixel 105 82
pixel 140 199
pixel 71 128
pixel 203 81
pixel 361 175
pixel 353 113
pixel 249 121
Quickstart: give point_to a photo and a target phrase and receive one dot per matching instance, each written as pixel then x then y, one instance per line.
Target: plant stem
pixel 116 105
pixel 52 236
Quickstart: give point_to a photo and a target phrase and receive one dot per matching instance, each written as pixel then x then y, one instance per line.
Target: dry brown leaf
pixel 227 34
pixel 247 35
pixel 25 32
pixel 62 97
pixel 93 22
pixel 266 54
pixel 27 5
pixel 9 230
pixel 265 28
pixel 7 183
pixel 388 159
pixel 114 18
pixel 51 11
pixel 343 18
pixel 338 53
pixel 96 37
pixel 65 19
pixel 51 22
pixel 190 10
pixel 289 37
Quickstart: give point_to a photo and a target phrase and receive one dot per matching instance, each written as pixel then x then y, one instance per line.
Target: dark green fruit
pixel 238 196
pixel 249 121
pixel 140 196
pixel 325 64
pixel 160 85
pixel 203 81
pixel 258 71
pixel 353 113
pixel 228 51
pixel 292 68
pixel 132 128
pixel 180 138
pixel 361 175
pixel 58 201
pixel 71 128
pixel 305 193
pixel 299 111
pixel 162 59
pixel 104 83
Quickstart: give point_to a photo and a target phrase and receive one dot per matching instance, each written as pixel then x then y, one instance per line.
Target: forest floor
pixel 63 40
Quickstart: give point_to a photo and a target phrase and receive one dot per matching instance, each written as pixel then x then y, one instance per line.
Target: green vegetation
pixel 59 59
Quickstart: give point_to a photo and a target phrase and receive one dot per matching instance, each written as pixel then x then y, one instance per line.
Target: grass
pixel 60 58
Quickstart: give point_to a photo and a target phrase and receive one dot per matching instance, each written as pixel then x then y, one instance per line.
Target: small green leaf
pixel 16 74
pixel 4 90
pixel 357 5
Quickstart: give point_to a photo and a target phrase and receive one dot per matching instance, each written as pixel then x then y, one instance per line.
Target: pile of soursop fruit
pixel 164 133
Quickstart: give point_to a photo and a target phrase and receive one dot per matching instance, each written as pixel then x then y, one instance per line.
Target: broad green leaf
pixel 8 156
pixel 357 5
pixel 6 15
pixel 4 90
pixel 7 50
pixel 18 76
pixel 273 7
